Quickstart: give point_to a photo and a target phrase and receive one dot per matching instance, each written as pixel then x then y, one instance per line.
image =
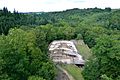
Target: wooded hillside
pixel 25 38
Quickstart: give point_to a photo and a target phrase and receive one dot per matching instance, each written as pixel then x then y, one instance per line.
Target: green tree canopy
pixel 21 58
pixel 106 59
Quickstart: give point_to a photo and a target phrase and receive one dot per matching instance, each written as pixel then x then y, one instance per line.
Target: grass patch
pixel 83 49
pixel 74 71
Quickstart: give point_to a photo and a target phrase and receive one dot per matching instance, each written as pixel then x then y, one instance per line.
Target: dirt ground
pixel 61 76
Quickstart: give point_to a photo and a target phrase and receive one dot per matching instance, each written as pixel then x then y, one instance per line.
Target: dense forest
pixel 25 37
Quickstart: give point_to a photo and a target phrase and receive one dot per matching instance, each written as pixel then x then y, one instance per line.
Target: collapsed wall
pixel 63 51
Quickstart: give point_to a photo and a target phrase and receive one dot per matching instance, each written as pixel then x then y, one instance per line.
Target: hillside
pixel 25 37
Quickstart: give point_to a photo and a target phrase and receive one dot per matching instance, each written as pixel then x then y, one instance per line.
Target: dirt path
pixel 63 74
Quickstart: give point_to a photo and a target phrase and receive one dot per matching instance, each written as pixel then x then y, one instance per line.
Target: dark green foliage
pixel 108 9
pixel 21 58
pixel 35 78
pixel 114 21
pixel 73 17
pixel 23 53
pixel 8 20
pixel 106 59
